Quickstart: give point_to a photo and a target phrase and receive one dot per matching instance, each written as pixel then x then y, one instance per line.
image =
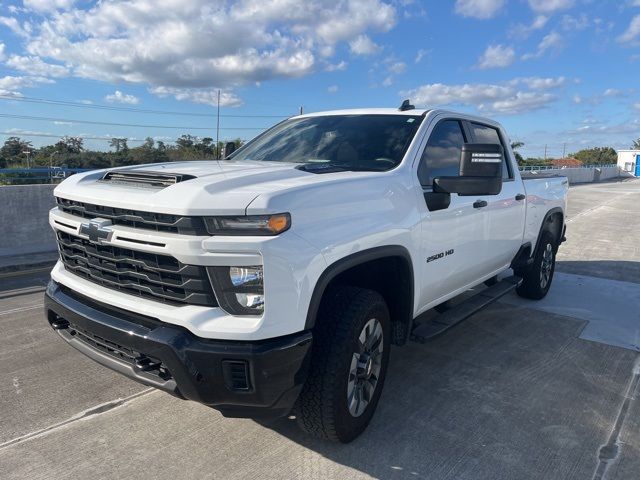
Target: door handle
pixel 480 203
pixel 520 196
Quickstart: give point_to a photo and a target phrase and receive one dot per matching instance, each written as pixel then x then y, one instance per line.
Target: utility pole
pixel 564 150
pixel 545 152
pixel 300 109
pixel 218 129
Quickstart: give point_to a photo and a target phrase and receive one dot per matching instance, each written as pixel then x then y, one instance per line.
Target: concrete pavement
pixel 518 391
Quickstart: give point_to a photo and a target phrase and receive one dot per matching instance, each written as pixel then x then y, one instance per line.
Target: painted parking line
pixel 21 309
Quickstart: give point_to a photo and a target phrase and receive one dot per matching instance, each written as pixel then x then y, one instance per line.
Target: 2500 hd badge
pixel 440 255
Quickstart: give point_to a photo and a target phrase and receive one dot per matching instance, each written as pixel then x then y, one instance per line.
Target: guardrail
pixel 531 168
pixel 26 176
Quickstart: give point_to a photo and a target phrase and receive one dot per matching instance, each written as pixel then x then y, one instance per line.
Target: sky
pixel 560 75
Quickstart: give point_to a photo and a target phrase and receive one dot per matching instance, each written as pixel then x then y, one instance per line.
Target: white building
pixel 629 161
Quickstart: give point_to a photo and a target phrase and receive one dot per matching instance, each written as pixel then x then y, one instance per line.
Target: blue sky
pixel 560 73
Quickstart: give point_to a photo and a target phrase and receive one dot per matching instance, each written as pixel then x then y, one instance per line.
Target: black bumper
pixel 241 379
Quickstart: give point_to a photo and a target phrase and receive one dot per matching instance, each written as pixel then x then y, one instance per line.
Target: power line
pixel 89 122
pixel 127 109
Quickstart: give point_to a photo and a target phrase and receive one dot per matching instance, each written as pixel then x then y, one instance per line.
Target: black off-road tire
pixel 534 285
pixel 322 409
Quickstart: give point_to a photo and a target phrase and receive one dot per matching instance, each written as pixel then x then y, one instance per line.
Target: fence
pixel 26 176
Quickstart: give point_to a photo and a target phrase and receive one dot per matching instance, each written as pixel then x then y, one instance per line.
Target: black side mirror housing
pixel 480 171
pixel 229 148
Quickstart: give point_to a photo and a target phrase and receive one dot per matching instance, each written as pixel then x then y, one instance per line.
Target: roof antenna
pixel 406 105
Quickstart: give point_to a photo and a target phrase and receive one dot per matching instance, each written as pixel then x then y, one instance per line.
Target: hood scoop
pixel 146 179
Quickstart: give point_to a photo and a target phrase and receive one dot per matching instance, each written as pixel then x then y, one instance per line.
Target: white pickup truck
pixel 274 282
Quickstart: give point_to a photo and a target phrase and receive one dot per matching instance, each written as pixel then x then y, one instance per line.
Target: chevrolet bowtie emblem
pixel 97 230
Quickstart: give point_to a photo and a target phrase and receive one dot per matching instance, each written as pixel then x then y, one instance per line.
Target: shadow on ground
pixel 511 393
pixel 626 271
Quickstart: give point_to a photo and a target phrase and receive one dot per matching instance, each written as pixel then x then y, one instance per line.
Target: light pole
pixel 27 153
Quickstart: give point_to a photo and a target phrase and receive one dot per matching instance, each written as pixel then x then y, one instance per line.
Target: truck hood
pixel 207 187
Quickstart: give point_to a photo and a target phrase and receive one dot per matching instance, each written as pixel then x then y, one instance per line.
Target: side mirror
pixel 229 148
pixel 480 171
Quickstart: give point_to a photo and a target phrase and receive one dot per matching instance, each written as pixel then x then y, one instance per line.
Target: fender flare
pixel 546 218
pixel 350 261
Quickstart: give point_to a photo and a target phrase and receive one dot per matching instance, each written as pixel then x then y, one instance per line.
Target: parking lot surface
pixel 521 390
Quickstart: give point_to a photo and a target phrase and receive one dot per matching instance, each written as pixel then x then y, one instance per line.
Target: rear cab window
pixel 486 134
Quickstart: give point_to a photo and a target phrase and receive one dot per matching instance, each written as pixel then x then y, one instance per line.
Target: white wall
pixel 585 175
pixel 626 157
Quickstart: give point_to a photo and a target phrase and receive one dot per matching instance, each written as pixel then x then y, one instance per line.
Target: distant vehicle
pixel 275 282
pixel 57 172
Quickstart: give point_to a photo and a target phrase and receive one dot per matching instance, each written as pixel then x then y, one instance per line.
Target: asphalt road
pixel 521 390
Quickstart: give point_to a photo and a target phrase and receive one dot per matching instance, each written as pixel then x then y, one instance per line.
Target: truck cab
pixel 275 281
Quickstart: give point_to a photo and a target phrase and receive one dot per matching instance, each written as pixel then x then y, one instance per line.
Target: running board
pixel 443 322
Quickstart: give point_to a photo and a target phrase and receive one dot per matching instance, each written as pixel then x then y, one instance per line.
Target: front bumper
pixel 241 379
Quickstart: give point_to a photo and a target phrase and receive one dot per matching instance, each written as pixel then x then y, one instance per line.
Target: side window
pixel 441 156
pixel 485 134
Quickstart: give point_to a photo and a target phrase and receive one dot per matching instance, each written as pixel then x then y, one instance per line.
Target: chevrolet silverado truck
pixel 274 282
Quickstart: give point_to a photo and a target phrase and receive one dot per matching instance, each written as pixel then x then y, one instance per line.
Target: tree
pixel 13 148
pixel 70 145
pixel 186 142
pixel 636 144
pixel 597 156
pixel 119 144
pixel 514 146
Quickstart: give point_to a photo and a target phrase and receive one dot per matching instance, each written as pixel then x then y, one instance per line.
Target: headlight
pixel 239 290
pixel 249 224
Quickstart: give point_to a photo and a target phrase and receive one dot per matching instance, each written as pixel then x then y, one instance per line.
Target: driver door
pixel 452 238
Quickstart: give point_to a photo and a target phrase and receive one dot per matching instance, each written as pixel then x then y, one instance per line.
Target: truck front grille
pixel 159 222
pixel 148 275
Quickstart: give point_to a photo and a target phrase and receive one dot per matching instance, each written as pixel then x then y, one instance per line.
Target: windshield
pixel 358 142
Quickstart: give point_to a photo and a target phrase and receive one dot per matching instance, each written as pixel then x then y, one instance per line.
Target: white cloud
pixel 420 54
pixel 332 88
pixel 397 67
pixel 506 99
pixel 632 32
pixel 482 9
pixel 612 92
pixel 521 30
pixel 119 97
pixel 199 44
pixel 36 66
pixel 540 83
pixel 387 82
pixel 336 67
pixel 497 56
pixel 637 105
pixel 549 6
pixel 575 23
pixel 48 5
pixel 551 42
pixel 363 45
pixel 11 85
pixel 205 96
pixel 13 25
pixel 2 55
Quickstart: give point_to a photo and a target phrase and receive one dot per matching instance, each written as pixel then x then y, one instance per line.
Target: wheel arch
pixel 554 222
pixel 353 269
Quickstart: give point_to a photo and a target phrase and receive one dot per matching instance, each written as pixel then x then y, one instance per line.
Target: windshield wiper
pixel 329 167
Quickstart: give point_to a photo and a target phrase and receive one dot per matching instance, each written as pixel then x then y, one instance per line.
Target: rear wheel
pixel 538 277
pixel 348 365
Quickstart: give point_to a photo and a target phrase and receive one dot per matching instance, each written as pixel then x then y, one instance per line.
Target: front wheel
pixel 348 365
pixel 537 278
